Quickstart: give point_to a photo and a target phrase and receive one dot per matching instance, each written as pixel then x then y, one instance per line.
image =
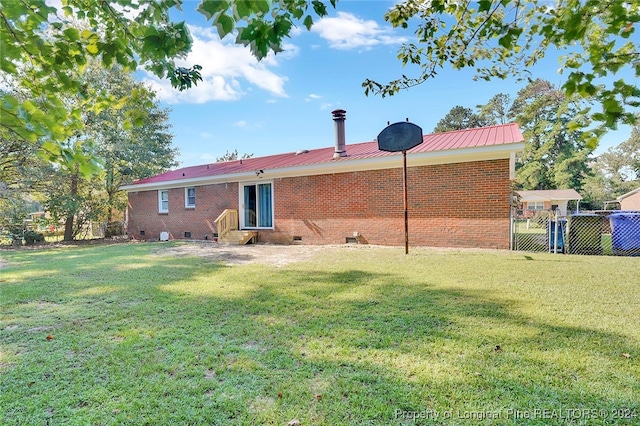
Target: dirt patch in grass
pixel 265 254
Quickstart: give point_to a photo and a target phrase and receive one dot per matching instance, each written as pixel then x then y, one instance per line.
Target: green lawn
pixel 121 334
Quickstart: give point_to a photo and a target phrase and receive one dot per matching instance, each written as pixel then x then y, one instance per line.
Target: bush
pixel 114 229
pixel 32 237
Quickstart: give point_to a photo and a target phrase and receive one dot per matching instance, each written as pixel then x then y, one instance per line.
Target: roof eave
pixel 628 194
pixel 344 165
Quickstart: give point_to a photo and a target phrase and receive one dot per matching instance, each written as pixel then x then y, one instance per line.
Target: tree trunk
pixel 68 224
pixel 68 228
pixel 110 191
pixel 110 197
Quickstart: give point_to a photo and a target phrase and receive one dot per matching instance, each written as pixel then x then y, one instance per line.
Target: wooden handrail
pixel 227 222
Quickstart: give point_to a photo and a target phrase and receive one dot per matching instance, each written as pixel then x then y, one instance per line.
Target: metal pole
pixel 512 228
pixel 406 203
pixel 555 234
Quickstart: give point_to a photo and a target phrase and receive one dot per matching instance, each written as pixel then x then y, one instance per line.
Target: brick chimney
pixel 339 116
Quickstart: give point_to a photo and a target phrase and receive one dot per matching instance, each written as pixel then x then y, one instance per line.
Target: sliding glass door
pixel 258 205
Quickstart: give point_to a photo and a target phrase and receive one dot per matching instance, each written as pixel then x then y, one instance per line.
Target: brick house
pixel 459 193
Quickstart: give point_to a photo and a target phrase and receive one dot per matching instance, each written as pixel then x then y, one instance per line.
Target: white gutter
pixel 345 165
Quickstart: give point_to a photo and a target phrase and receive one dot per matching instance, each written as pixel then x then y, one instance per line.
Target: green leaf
pixel 308 22
pixel 93 49
pixel 243 8
pixel 29 106
pixel 319 7
pixel 71 34
pixel 484 5
pixel 612 106
pixel 88 168
pixel 506 41
pixel 281 27
pixel 297 13
pixel 210 8
pixel 261 6
pixel 224 24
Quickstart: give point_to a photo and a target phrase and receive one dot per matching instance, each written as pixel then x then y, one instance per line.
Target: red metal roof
pixel 460 139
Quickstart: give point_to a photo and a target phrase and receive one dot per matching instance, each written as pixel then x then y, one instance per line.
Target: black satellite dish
pixel 400 136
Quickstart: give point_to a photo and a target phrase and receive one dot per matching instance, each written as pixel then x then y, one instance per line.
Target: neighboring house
pixel 630 200
pixel 548 199
pixel 459 193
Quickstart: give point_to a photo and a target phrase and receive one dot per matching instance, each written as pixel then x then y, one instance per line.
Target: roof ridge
pixel 481 137
pixel 473 128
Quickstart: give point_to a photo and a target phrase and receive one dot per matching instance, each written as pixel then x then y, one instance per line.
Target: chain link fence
pixel 589 233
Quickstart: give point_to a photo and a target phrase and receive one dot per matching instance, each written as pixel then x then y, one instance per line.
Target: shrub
pixel 32 237
pixel 114 229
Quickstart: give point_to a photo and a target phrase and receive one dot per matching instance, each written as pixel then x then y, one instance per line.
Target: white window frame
pixel 187 205
pixel 535 205
pixel 161 201
pixel 241 214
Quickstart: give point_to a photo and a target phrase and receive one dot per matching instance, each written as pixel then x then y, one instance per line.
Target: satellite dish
pixel 400 136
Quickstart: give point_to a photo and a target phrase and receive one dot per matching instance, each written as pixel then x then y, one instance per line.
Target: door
pixel 258 205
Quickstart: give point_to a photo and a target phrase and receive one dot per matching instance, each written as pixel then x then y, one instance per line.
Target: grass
pixel 121 334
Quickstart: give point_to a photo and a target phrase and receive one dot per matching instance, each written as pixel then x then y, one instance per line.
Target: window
pixel 258 206
pixel 163 201
pixel 535 205
pixel 189 197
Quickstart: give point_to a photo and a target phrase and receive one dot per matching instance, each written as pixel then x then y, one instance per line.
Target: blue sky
pixel 284 102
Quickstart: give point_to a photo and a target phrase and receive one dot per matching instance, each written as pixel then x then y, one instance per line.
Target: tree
pixel 125 151
pixel 616 172
pixel 130 138
pixel 13 212
pixel 496 111
pixel 459 118
pixel 67 196
pixel 45 49
pixel 20 169
pixel 21 174
pixel 230 156
pixel 555 156
pixel 622 162
pixel 504 38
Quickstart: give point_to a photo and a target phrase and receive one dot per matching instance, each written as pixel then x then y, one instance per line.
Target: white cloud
pixel 346 32
pixel 228 71
pixel 312 97
pixel 206 135
pixel 248 125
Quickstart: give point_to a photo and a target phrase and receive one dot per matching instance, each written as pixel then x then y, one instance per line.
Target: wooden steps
pixel 238 238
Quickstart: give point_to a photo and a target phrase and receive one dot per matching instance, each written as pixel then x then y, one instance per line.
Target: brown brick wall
pixel 211 200
pixel 450 205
